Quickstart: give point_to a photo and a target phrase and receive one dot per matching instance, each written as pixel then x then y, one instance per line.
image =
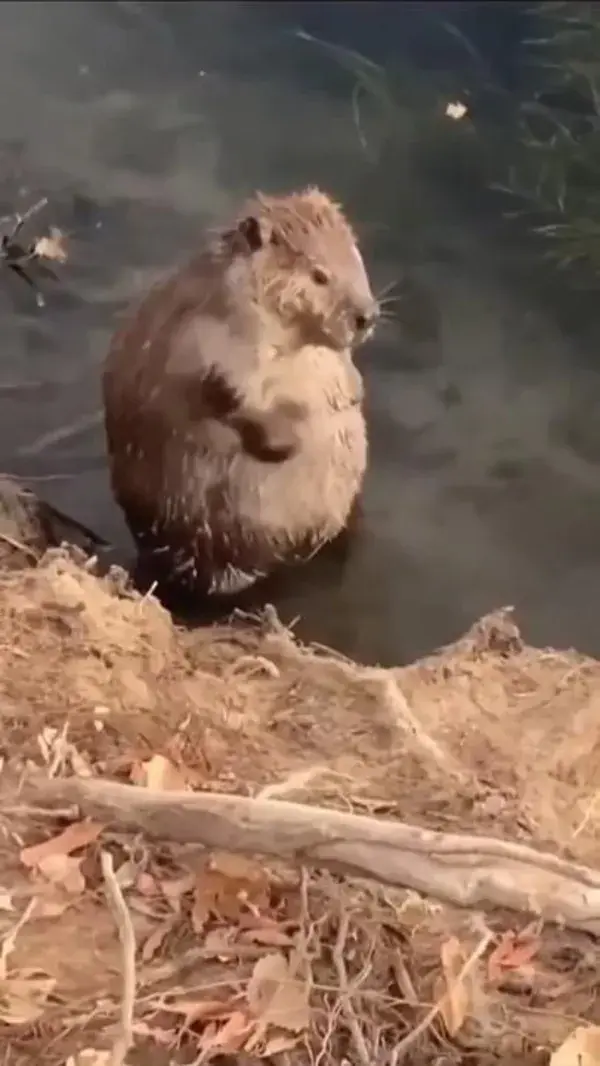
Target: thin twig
pixel 8 943
pixel 63 433
pixel 127 937
pixel 411 1038
pixel 59 747
pixel 31 211
pixel 391 697
pixel 345 993
pixel 590 811
pixel 20 220
pixel 16 544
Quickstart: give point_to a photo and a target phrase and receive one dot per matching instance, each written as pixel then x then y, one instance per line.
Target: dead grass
pixel 489 735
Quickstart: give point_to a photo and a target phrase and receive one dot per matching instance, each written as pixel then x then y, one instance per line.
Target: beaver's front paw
pixel 273 436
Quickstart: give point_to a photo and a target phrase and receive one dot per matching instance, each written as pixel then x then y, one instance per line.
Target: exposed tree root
pixel 465 870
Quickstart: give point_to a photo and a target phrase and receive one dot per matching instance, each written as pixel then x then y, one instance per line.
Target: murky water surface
pixel 143 122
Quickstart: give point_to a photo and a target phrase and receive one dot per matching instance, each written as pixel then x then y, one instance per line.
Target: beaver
pixel 233 410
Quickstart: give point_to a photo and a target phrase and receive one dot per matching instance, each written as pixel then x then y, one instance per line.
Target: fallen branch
pixel 468 871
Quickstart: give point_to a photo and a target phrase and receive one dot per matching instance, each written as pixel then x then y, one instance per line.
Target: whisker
pixel 387 327
pixel 387 289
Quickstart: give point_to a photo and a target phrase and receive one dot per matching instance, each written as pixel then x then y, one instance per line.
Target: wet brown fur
pixel 233 411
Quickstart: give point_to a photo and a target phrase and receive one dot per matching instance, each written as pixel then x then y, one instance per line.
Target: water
pixel 143 122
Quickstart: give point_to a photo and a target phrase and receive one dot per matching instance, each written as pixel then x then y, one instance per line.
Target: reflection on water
pixel 142 122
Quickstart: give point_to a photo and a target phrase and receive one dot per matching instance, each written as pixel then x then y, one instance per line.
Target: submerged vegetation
pixel 557 172
pixel 531 148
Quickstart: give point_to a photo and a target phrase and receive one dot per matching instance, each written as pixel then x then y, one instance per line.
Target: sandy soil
pixel 492 737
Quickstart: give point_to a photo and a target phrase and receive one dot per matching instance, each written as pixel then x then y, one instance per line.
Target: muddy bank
pixel 97 681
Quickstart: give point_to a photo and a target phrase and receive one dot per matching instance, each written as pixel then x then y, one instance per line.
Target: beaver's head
pixel 300 259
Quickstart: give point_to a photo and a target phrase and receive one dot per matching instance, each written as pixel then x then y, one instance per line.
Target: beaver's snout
pixel 365 320
pixel 353 325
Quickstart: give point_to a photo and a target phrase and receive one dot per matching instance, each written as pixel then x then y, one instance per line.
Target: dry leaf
pixel 195 1010
pixel 126 874
pixel 91 1057
pixel 231 1036
pixel 62 881
pixel 158 774
pixel 146 884
pixel 276 997
pixel 51 903
pixel 54 246
pixel 79 763
pixel 456 1001
pixel 65 871
pixel 23 996
pixel 175 889
pixel 77 835
pixel 217 943
pixel 48 741
pixel 156 939
pixel 162 1037
pixel 269 935
pixel 514 952
pixel 142 906
pixel 208 1034
pixel 581 1048
pixel 269 973
pixel 227 887
pixel 238 868
pixel 6 903
pixel 277 1043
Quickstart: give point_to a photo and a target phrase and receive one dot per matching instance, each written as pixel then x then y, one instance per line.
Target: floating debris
pixel 455 110
pixel 17 257
pixel 54 246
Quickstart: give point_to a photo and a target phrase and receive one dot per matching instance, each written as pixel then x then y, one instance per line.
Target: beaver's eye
pixel 320 277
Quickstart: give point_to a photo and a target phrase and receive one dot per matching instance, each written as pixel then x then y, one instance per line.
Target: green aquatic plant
pixel 555 172
pixel 414 122
pixel 538 144
pixel 408 98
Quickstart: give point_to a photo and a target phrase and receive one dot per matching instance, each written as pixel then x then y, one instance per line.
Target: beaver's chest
pixel 321 379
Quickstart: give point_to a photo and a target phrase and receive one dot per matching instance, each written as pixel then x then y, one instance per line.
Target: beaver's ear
pixel 256 232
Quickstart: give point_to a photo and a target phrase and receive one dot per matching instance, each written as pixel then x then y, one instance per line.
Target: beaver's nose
pixel 365 319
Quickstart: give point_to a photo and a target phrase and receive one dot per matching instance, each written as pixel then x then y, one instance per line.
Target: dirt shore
pixel 238 959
